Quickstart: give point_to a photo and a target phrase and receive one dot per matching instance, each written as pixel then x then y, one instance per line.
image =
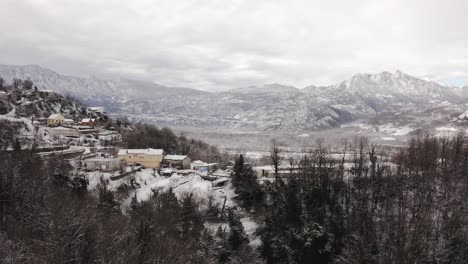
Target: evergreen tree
pixel 237 235
pixel 192 223
pixel 293 204
pixel 106 200
pixel 245 182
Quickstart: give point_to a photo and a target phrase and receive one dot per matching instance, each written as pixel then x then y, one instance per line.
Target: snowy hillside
pixel 272 107
pixel 22 111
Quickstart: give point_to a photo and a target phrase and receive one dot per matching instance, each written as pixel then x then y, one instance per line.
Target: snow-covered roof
pixel 175 157
pixel 68 120
pixel 56 116
pixel 149 151
pixel 199 163
pixel 87 120
pixel 46 91
pixel 101 159
pixel 61 128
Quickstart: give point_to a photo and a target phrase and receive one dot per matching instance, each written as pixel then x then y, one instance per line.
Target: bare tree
pixel 28 84
pixel 344 150
pixel 17 83
pixel 2 82
pixel 276 156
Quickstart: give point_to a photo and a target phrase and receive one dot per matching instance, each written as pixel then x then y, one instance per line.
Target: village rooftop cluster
pixel 90 140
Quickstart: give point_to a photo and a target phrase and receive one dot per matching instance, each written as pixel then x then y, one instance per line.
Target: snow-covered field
pixel 148 182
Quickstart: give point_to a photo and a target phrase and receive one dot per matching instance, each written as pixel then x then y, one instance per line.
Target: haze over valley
pixel 386 106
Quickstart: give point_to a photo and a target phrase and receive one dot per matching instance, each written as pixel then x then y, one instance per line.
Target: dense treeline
pixel 47 216
pixel 407 207
pixel 17 83
pixel 149 136
pixel 411 208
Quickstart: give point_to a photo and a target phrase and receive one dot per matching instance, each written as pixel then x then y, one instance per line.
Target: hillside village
pixel 88 136
pixel 54 125
pixel 233 132
pixel 126 169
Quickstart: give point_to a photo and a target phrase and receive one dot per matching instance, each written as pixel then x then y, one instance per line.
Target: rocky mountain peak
pixel 273 106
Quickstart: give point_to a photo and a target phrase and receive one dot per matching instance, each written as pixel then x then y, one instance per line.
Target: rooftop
pixel 149 151
pixel 56 116
pixel 175 157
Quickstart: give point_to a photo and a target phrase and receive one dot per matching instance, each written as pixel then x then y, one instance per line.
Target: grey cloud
pixel 227 44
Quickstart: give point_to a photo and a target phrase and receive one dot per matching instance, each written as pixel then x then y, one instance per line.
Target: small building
pixel 202 166
pixel 55 120
pixel 150 158
pixel 177 161
pixel 108 136
pixel 88 122
pixel 64 131
pixel 68 122
pixel 86 130
pixel 102 164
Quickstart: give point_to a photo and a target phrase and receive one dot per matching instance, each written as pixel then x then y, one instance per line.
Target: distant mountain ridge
pixel 271 107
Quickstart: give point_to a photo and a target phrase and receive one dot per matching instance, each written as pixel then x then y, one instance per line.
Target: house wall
pixel 55 122
pixel 182 164
pixel 102 164
pixel 186 163
pixel 91 124
pixel 66 132
pixel 149 161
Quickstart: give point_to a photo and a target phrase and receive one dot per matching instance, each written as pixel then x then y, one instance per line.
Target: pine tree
pixel 245 182
pixel 237 235
pixel 192 224
pixel 293 204
pixel 106 200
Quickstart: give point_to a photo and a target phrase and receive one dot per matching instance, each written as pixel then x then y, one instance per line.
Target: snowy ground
pixel 202 190
pixel 150 182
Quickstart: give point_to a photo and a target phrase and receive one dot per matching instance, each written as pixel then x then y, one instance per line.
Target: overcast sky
pixel 222 44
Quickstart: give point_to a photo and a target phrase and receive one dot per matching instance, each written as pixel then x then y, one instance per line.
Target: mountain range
pixel 372 98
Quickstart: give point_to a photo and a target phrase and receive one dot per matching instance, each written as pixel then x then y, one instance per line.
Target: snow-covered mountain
pixel 273 107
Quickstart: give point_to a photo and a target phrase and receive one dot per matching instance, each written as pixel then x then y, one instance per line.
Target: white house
pixel 201 166
pixel 68 122
pixel 64 131
pixel 55 120
pixel 150 158
pixel 88 122
pixel 102 164
pixel 177 161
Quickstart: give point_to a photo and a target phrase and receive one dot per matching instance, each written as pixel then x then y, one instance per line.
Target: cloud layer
pixel 211 44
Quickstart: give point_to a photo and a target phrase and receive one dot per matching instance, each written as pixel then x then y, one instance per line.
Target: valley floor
pixel 260 141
